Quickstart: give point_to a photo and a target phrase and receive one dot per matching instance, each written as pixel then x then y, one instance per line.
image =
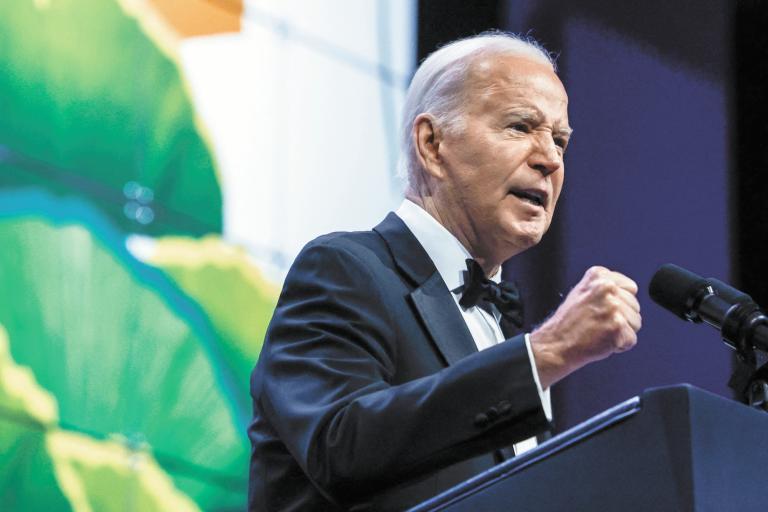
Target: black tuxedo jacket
pixel 369 392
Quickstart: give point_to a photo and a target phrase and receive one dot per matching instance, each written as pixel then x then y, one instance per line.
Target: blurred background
pixel 162 162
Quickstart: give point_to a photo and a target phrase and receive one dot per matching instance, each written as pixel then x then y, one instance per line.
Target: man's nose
pixel 545 156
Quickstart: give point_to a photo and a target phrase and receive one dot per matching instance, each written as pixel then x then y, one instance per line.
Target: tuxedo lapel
pixel 431 298
pixel 438 311
pixel 508 328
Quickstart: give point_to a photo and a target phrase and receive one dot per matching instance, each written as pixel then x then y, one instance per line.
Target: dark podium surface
pixel 671 449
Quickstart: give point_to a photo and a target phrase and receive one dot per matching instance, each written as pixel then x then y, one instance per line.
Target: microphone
pixel 741 322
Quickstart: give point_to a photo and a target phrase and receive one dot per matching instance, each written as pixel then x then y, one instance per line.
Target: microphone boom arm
pixel 742 324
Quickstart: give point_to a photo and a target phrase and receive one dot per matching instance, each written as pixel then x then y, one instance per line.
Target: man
pixel 384 379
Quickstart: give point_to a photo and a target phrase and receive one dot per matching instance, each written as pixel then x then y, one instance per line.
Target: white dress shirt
pixel 449 257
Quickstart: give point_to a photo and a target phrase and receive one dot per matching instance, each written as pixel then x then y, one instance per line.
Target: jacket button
pixel 505 407
pixel 481 420
pixel 493 414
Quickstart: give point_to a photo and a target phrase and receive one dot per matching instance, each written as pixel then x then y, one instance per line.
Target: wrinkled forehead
pixel 488 76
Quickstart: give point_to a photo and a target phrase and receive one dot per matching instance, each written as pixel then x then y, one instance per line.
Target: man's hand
pixel 599 317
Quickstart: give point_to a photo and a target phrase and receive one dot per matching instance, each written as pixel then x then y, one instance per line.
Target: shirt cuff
pixel 546 401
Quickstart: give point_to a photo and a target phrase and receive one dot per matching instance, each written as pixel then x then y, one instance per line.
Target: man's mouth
pixel 535 197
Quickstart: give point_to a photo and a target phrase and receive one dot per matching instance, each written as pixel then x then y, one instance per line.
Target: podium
pixel 676 448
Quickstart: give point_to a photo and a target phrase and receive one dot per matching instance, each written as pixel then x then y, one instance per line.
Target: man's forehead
pixel 491 64
pixel 532 84
pixel 512 70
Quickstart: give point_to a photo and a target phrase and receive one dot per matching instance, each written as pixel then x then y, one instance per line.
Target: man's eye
pixel 561 143
pixel 520 127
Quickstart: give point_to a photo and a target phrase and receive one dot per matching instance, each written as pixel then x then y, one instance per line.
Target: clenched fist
pixel 599 317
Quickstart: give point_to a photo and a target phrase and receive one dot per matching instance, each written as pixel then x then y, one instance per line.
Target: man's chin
pixel 524 239
pixel 526 242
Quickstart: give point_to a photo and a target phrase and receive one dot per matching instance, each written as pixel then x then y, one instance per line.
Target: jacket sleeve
pixel 325 385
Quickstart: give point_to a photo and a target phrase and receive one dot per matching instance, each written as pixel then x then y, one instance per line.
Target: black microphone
pixel 742 323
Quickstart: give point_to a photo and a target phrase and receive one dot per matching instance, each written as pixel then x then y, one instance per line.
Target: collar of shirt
pixel 444 249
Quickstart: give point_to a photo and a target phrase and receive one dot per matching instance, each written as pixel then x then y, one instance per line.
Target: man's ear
pixel 426 141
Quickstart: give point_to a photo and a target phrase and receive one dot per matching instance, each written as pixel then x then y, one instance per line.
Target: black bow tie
pixel 478 289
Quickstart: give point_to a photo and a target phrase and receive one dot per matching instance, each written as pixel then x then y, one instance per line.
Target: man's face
pixel 503 169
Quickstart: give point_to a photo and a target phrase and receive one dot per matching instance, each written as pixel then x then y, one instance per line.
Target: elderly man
pixel 390 370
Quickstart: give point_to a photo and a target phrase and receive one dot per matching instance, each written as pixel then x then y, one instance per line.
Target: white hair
pixel 437 85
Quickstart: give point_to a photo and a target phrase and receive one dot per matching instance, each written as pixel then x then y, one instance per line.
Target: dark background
pixel 667 164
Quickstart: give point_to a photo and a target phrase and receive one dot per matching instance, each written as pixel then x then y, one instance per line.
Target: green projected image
pixel 152 196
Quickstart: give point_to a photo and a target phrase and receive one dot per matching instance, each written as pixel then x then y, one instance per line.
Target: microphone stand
pixel 747 336
pixel 742 324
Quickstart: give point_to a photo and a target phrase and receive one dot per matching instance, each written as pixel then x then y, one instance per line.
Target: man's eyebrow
pixel 532 113
pixel 527 113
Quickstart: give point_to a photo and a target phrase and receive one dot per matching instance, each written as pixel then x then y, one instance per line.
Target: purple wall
pixel 646 182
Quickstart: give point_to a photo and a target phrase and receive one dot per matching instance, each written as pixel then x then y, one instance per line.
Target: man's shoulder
pixel 349 240
pixel 359 244
pixel 366 249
